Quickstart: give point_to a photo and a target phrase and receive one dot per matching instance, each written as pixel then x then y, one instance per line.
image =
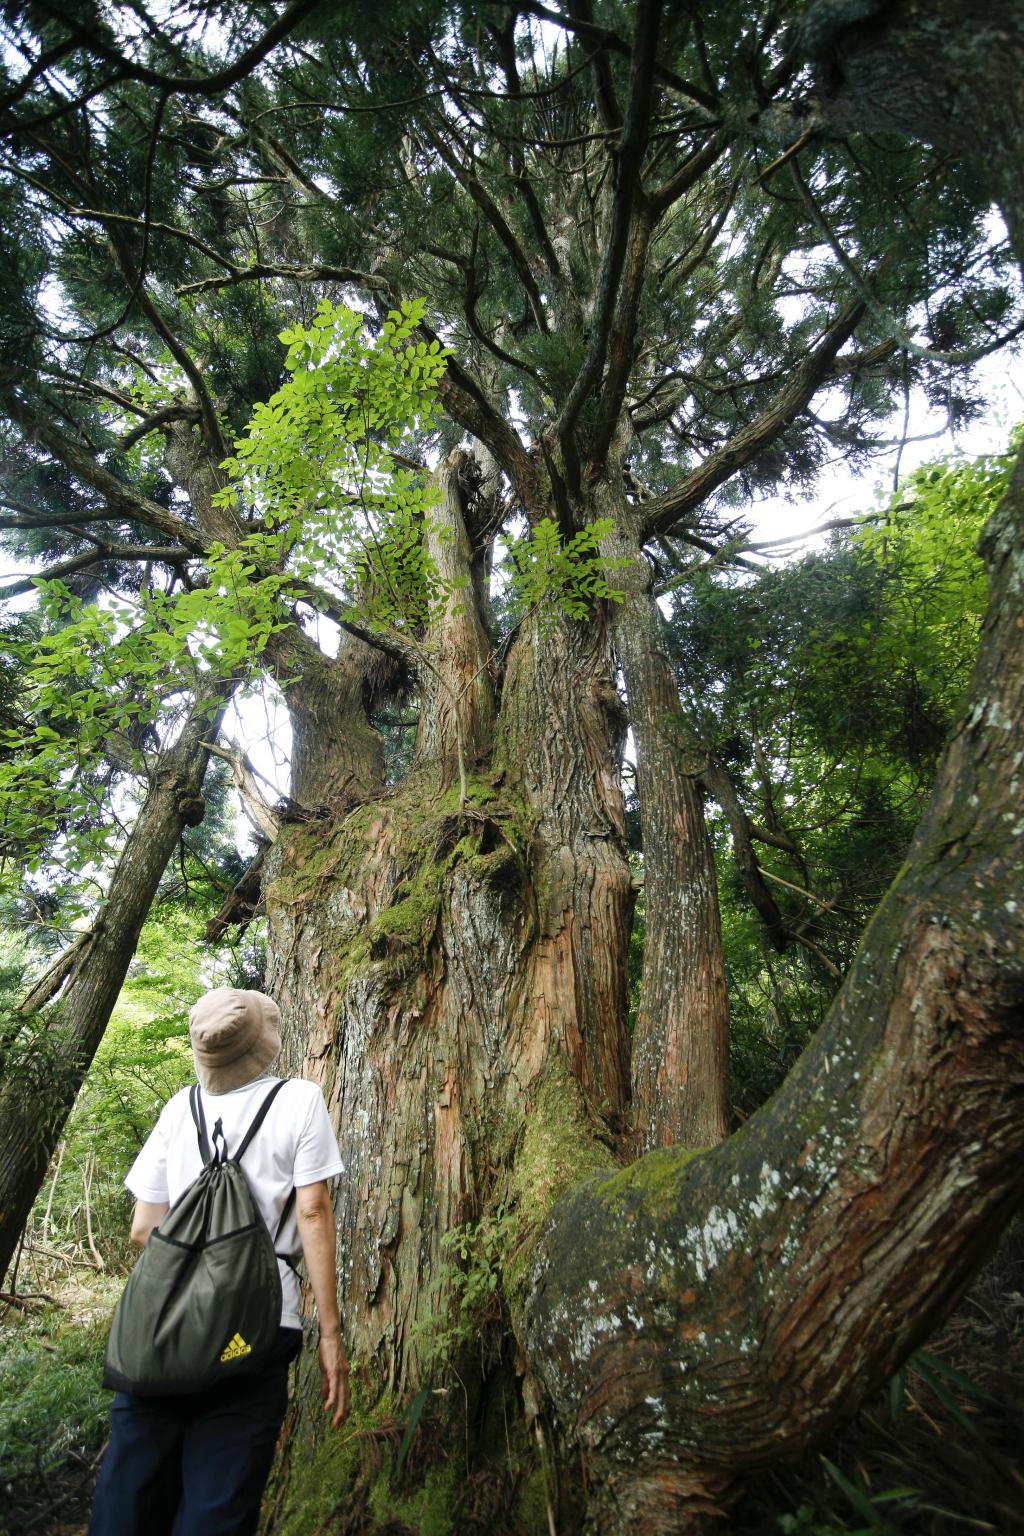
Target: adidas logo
pixel 235 1349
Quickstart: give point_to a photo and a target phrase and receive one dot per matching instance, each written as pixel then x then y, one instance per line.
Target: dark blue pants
pixel 194 1465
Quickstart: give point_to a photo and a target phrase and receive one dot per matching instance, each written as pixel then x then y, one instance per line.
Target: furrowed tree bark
pixel 456 724
pixel 727 1308
pixel 436 949
pixel 680 1039
pixel 37 1095
pixel 337 754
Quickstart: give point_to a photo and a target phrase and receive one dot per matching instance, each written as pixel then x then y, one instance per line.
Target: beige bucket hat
pixel 235 1036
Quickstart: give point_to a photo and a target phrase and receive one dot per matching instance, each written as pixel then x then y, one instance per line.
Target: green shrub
pixel 51 1403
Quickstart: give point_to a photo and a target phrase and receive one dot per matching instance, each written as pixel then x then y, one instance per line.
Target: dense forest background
pixel 647 911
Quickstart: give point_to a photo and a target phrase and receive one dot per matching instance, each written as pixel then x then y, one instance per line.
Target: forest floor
pixel 938 1454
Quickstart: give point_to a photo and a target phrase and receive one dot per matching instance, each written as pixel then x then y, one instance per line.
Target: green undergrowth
pixel 53 1410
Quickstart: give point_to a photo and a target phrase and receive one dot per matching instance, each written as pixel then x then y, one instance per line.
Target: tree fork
pixel 434 953
pixel 337 754
pixel 697 1316
pixel 730 1307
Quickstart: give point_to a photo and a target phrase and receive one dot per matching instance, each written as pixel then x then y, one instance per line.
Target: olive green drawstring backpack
pixel 203 1303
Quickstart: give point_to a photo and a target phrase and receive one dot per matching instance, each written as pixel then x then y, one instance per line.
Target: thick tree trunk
pixel 37 1095
pixel 680 1040
pixel 337 756
pixel 695 1316
pixel 699 1312
pixel 435 950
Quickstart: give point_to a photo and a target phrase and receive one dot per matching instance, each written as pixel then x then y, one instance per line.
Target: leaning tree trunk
pixel 39 1088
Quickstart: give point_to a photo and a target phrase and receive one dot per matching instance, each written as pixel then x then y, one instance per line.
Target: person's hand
pixel 334 1377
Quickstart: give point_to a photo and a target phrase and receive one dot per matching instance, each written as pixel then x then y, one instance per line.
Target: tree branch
pixel 121 499
pixel 158 419
pixel 211 426
pixel 505 42
pixel 90 41
pixel 467 405
pixel 259 270
pixel 263 816
pixel 389 642
pixel 467 178
pixel 605 38
pixel 750 440
pixel 172 556
pixel 627 236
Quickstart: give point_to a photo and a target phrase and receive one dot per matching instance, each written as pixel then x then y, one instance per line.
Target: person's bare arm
pixel 315 1217
pixel 145 1217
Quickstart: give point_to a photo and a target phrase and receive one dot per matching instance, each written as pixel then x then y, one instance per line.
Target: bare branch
pixel 89 39
pixel 211 426
pixel 259 270
pixel 121 500
pixel 158 419
pixel 53 978
pixel 466 177
pixel 387 641
pixel 263 817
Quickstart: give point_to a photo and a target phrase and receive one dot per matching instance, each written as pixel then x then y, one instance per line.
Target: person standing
pixel 181 1465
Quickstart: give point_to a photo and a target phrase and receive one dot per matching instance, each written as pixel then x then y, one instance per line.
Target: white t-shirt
pixel 295 1145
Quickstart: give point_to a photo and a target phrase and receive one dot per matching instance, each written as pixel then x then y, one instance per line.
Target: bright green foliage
pixel 468 1279
pixel 92 685
pixel 316 470
pixel 568 575
pixel 935 585
pixel 315 478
